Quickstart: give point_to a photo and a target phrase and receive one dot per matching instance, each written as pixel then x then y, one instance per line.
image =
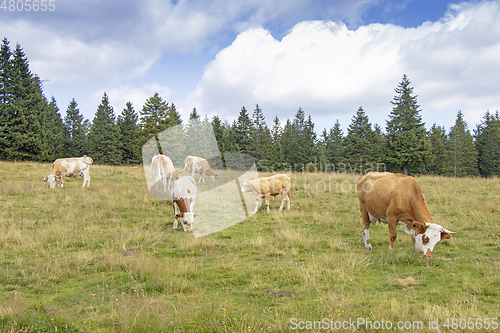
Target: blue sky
pixel 327 57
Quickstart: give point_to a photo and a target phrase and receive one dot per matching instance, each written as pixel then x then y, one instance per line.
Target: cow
pixel 163 168
pixel 199 164
pixel 183 197
pixel 397 199
pixel 69 167
pixel 263 188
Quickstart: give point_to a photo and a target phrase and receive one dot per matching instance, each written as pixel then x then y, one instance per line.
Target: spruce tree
pixel 487 142
pixel 438 140
pixel 460 146
pixel 153 119
pixel 58 135
pixel 335 147
pixel 243 132
pixel 103 144
pixel 407 143
pixel 6 112
pixel 128 134
pixel 195 135
pixel 277 158
pixel 359 141
pixel 22 128
pixel 261 144
pixel 220 134
pixel 76 130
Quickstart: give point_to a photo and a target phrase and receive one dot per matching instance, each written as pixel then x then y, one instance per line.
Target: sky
pixel 326 57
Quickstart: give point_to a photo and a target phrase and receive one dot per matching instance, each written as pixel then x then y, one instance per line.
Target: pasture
pixel 106 259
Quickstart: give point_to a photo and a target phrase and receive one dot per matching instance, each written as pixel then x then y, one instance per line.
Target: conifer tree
pixel 287 136
pixel 487 142
pixel 103 144
pixel 22 128
pixel 309 141
pixel 243 132
pixel 379 155
pixel 154 118
pixel 461 149
pixel 76 130
pixel 438 140
pixel 194 135
pixel 58 135
pixel 261 145
pixel 128 134
pixel 220 134
pixel 335 146
pixel 407 143
pixel 359 142
pixel 6 112
pixel 277 158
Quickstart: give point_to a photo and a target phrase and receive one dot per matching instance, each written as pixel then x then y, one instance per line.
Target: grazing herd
pixel 386 197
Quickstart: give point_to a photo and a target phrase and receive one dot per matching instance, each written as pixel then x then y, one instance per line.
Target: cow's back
pixel 383 191
pixel 276 184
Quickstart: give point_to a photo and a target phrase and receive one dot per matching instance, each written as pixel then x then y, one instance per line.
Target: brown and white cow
pixel 199 164
pixel 163 168
pixel 397 199
pixel 69 167
pixel 183 197
pixel 263 188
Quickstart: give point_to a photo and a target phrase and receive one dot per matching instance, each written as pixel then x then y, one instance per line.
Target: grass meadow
pixel 106 259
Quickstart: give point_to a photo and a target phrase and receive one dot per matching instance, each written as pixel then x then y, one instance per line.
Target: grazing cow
pixel 163 168
pixel 183 197
pixel 69 167
pixel 199 164
pixel 269 186
pixel 397 199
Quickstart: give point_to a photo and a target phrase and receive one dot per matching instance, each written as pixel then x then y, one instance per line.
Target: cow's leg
pixel 202 177
pixel 164 181
pixel 258 202
pixel 175 215
pixel 366 226
pixel 392 222
pixel 283 199
pixel 267 203
pixel 62 179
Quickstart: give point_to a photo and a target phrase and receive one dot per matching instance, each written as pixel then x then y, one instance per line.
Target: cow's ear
pixel 418 227
pixel 446 234
pixel 196 215
pixel 179 215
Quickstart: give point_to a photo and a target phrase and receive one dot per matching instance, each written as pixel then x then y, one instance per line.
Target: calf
pixel 397 199
pixel 199 164
pixel 69 167
pixel 183 197
pixel 263 188
pixel 163 168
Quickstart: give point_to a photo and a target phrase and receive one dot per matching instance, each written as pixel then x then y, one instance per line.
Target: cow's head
pixel 187 220
pixel 87 159
pixel 51 179
pixel 427 235
pixel 247 187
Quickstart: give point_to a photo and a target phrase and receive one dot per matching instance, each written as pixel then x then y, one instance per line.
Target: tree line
pixel 33 129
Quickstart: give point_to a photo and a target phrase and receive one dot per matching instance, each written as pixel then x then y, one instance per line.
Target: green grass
pixel 106 259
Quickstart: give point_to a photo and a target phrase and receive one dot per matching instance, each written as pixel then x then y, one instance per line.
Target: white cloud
pixel 324 66
pixel 61 58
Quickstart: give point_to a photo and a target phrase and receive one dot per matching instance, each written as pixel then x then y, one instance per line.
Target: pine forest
pixel 33 128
